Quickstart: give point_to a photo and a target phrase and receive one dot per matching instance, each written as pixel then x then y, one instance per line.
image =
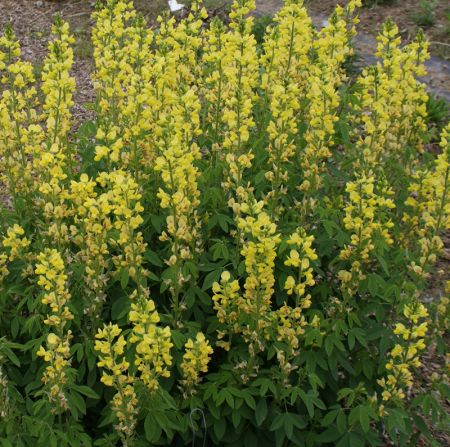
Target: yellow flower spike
pixel 153 343
pixel 110 344
pixel 259 251
pixel 176 130
pixel 58 87
pixel 92 216
pixel 429 209
pixel 52 278
pixel 14 244
pixel 239 78
pixel 284 60
pixel 287 325
pixel 300 257
pixel 406 353
pixel 195 361
pixel 18 118
pixel 326 74
pixel 364 210
pixel 110 37
pixel 396 101
pixel 247 313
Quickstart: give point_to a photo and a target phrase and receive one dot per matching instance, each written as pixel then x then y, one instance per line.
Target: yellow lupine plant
pixel 195 361
pixel 429 198
pixel 53 280
pixel 110 344
pixel 332 46
pixel 395 99
pixel 17 109
pixel 14 245
pixel 285 62
pixel 237 240
pixel 366 217
pixel 240 83
pixel 406 353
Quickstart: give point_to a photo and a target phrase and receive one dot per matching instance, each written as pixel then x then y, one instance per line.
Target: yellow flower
pixel 14 244
pixel 429 209
pixel 300 257
pixel 239 78
pixel 109 344
pixel 406 354
pixel 366 217
pixel 325 74
pixel 153 343
pixel 195 361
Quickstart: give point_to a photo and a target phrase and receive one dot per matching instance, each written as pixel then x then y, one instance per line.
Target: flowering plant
pixel 233 248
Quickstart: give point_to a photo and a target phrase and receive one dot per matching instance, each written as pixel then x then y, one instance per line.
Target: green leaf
pixel 76 404
pixel 86 391
pixel 297 420
pixel 329 435
pixel 152 429
pixel 341 421
pixel 219 428
pixel 212 222
pixel 360 415
pixel 124 278
pixel 120 308
pixel 157 222
pixel 364 418
pixel 15 327
pixel 307 400
pixel 178 339
pixel 383 264
pixel 224 221
pixel 261 412
pixel 211 278
pixel 329 418
pixel 329 345
pixel 351 340
pixel 344 131
pixel 279 438
pixel 288 426
pixel 236 418
pixel 11 356
pixel 421 425
pixel 153 258
pixel 230 400
pixel 277 422
pixel 152 276
pixel 250 400
pixel 259 177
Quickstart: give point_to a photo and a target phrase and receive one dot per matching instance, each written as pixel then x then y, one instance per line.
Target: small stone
pixel 175 6
pixel 39 3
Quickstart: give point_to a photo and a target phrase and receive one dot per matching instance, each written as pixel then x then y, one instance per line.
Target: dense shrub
pixel 233 250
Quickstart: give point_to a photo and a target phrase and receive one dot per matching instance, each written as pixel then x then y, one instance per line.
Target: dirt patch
pixel 32 21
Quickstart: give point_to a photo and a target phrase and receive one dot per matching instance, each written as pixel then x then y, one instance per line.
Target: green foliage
pixel 437 112
pixel 259 27
pixel 425 15
pixel 369 3
pixel 304 371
